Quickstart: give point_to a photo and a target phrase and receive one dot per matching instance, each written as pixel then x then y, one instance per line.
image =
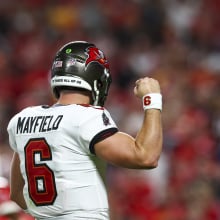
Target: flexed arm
pixel 143 151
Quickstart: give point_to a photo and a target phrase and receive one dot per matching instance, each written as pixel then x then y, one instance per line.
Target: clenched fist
pixel 146 85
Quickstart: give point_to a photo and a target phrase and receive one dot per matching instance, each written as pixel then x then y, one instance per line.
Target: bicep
pixel 118 149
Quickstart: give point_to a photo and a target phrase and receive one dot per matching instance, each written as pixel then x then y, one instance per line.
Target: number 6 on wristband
pixel 146 100
pixel 152 101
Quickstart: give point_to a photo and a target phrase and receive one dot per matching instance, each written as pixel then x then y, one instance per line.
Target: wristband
pixel 152 101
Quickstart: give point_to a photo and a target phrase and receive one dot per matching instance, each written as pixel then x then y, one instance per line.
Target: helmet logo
pixel 96 55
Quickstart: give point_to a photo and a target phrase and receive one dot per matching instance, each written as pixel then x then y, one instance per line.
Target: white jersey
pixel 56 145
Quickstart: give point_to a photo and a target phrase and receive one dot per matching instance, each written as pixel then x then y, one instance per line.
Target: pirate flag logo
pixel 96 55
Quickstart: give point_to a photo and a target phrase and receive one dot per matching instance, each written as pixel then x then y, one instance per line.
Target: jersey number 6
pixel 41 181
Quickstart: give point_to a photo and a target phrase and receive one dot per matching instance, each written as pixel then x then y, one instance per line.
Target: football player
pixel 53 175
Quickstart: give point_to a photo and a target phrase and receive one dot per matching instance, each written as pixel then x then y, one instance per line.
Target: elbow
pixel 148 159
pixel 150 163
pixel 12 197
pixel 18 199
pixel 15 199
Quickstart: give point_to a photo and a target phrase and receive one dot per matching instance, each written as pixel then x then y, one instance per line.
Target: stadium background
pixel 175 41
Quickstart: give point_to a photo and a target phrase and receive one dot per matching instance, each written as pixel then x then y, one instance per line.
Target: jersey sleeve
pixel 95 128
pixel 11 133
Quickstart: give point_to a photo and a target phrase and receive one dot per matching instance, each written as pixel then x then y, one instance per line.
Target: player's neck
pixel 67 98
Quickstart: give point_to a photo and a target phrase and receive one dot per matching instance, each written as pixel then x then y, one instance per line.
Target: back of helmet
pixel 81 65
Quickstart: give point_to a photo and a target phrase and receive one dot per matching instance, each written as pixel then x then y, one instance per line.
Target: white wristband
pixel 152 100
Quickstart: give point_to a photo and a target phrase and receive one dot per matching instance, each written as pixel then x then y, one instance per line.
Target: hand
pixel 145 86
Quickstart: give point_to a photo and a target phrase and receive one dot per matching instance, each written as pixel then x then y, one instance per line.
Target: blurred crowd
pixel 175 41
